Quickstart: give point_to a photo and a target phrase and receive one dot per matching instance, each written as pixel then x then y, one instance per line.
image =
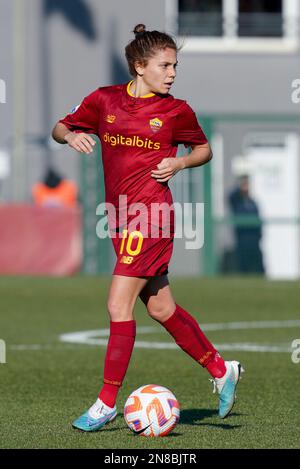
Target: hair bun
pixel 139 29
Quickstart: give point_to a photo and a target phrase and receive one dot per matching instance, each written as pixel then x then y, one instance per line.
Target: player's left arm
pixel 168 167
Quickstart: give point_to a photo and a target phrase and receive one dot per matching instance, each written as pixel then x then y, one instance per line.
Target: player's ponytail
pixel 145 45
pixel 139 30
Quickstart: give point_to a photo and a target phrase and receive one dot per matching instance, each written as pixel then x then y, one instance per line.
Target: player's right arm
pixel 76 127
pixel 81 142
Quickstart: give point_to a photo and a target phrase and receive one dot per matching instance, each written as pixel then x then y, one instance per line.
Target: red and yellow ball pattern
pixel 152 410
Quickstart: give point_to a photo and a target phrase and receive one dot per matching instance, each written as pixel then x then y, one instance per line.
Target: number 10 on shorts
pixel 126 244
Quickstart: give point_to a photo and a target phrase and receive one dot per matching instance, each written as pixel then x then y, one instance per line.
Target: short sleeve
pixel 186 129
pixel 85 117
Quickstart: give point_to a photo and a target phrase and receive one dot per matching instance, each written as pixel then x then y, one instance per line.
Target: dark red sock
pixel 188 335
pixel 216 367
pixel 118 353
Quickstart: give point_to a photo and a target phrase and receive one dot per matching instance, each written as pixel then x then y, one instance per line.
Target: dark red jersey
pixel 136 134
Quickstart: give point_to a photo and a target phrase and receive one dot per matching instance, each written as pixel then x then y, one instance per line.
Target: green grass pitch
pixel 46 383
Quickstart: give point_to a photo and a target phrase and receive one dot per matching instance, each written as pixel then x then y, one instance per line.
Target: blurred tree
pixel 76 12
pixel 119 69
pixel 79 15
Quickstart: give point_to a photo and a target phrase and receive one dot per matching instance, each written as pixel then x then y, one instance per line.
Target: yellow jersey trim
pixel 149 95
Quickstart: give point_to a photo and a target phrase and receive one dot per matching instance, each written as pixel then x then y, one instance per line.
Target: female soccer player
pixel 140 126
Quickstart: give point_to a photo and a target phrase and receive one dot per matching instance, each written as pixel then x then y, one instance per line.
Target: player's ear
pixel 139 68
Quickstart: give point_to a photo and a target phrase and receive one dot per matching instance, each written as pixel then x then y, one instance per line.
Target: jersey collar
pixel 141 101
pixel 149 95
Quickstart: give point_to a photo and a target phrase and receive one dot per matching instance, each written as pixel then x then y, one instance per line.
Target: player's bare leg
pixel 157 297
pixel 121 300
pixel 122 296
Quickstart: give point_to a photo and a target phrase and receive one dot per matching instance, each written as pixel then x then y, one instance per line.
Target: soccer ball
pixel 151 410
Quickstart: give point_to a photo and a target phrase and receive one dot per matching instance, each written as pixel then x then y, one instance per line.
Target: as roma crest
pixel 156 124
pixel 110 118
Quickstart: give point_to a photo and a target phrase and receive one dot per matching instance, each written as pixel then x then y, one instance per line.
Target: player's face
pixel 160 72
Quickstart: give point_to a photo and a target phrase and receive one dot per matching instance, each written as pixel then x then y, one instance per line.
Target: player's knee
pixel 118 311
pixel 159 313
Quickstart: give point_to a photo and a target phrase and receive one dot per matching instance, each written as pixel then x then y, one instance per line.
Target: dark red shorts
pixel 140 256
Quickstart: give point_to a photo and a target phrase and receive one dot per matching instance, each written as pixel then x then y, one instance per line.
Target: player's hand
pixel 81 142
pixel 166 169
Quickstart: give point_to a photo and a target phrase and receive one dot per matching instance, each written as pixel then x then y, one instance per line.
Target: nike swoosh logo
pixel 137 432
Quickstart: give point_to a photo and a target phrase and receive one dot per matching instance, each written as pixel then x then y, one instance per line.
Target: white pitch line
pixel 28 347
pixel 251 325
pixel 37 347
pixel 91 337
pixel 238 347
pixel 100 337
pixel 251 347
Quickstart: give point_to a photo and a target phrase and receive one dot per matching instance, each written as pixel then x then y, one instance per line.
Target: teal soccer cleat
pixel 226 387
pixel 95 418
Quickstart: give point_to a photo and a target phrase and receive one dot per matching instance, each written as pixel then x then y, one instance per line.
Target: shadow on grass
pixel 121 426
pixel 187 417
pixel 195 417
